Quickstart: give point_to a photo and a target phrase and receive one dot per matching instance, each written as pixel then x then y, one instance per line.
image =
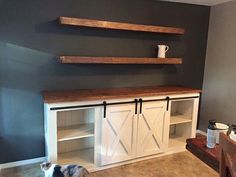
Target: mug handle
pixel 167 48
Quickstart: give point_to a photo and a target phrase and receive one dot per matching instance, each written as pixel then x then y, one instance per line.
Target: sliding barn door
pixel 117 134
pixel 151 132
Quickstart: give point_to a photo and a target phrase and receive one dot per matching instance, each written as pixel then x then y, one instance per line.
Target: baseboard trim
pixel 201 132
pixel 22 162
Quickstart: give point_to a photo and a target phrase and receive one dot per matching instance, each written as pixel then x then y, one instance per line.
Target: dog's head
pixel 45 166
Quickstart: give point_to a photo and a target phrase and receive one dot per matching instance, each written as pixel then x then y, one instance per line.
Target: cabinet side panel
pixel 51 135
pixel 97 135
pixel 195 117
pixel 46 109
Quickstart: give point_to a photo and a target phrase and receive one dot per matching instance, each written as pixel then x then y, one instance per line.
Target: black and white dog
pixel 54 170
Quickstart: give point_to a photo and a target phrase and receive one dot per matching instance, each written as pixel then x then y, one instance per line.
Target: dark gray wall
pixel 219 96
pixel 30 40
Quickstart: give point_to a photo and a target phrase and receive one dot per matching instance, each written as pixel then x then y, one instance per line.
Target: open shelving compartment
pixel 181 122
pixel 75 137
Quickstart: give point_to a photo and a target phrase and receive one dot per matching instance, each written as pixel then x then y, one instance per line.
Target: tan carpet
pixel 177 165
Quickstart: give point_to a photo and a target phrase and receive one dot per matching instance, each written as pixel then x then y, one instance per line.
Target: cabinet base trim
pixel 182 149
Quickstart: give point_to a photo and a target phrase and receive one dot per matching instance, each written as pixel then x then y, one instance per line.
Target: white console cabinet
pixel 100 134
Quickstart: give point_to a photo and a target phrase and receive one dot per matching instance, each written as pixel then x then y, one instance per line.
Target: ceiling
pixel 201 2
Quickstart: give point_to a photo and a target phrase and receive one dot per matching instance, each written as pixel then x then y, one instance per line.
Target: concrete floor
pixel 182 164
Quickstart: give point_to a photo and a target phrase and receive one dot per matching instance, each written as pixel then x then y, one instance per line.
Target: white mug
pixel 162 49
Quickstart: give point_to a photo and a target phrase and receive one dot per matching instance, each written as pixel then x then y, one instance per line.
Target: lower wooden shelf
pixel 84 157
pixel 75 132
pixel 117 60
pixel 179 119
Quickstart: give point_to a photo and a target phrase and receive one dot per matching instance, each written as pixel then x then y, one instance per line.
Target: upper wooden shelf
pixel 117 60
pixel 119 26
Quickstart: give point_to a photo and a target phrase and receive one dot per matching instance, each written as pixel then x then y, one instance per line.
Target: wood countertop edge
pixel 49 97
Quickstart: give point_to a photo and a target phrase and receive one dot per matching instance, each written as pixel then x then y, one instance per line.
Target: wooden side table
pixel 197 146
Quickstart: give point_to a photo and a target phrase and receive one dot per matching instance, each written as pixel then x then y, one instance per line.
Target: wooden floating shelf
pixel 119 26
pixel 117 60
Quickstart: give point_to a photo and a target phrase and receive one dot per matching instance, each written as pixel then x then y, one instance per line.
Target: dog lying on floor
pixel 54 170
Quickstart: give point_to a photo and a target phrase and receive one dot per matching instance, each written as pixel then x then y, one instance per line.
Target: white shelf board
pixel 176 141
pixel 75 132
pixel 179 119
pixel 84 157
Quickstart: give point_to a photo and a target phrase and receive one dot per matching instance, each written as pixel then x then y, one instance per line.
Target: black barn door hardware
pixel 136 106
pixel 90 105
pixel 74 107
pixel 168 102
pixel 116 103
pixel 105 109
pixel 141 105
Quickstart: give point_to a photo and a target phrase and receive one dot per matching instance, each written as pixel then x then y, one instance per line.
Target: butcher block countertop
pixel 113 93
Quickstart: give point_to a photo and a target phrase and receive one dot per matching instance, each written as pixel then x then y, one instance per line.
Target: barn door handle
pixel 136 106
pixel 168 102
pixel 105 109
pixel 141 105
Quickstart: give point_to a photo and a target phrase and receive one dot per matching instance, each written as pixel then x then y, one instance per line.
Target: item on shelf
pixel 162 49
pixel 211 134
pixel 220 128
